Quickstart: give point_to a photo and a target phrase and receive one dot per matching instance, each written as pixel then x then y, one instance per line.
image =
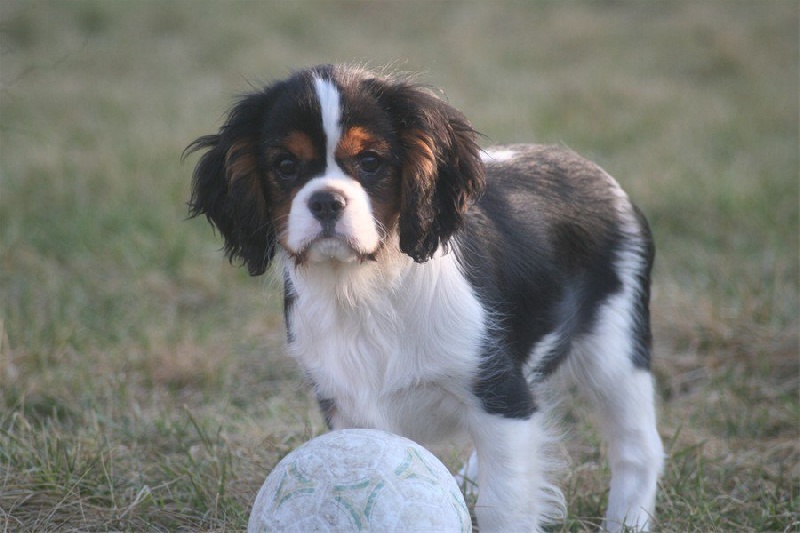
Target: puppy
pixel 434 289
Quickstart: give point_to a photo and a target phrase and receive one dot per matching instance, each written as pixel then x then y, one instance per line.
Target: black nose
pixel 326 206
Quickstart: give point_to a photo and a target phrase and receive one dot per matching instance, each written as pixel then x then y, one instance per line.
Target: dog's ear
pixel 442 172
pixel 228 185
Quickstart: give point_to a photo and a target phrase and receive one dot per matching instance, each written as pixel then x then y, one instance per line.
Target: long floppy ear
pixel 442 172
pixel 228 186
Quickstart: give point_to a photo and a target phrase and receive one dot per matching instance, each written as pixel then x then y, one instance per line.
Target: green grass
pixel 143 384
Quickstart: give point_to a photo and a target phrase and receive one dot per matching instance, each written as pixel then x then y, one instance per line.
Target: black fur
pixel 511 237
pixel 642 335
pixel 442 174
pixel 228 187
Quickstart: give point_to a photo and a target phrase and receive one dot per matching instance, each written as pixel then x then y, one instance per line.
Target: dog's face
pixel 338 181
pixel 334 164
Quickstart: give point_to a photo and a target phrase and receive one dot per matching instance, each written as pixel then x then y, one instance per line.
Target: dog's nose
pixel 327 206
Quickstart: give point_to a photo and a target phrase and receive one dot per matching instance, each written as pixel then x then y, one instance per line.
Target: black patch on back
pixel 539 250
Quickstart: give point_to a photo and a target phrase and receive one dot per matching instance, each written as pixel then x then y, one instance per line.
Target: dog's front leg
pixel 514 492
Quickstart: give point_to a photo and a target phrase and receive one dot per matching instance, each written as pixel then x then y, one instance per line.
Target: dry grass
pixel 143 384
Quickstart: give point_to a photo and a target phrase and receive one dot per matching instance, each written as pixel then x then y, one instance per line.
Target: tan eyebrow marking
pixel 357 139
pixel 300 145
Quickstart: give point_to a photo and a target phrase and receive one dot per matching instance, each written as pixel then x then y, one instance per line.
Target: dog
pixel 434 289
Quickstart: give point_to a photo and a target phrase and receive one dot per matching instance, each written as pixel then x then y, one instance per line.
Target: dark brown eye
pixel 369 162
pixel 286 167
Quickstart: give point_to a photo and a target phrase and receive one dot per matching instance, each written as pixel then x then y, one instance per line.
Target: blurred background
pixel 143 384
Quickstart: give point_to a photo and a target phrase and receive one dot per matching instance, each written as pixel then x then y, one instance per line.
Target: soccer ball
pixel 360 480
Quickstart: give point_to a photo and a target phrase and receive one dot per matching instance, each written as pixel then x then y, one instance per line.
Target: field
pixel 143 384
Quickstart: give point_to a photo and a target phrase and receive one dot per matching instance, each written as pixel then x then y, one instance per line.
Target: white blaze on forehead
pixel 355 233
pixel 329 102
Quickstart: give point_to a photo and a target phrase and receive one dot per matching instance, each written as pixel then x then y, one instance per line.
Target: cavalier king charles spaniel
pixel 434 289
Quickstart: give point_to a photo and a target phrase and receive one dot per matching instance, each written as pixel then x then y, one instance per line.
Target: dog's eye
pixel 286 167
pixel 369 162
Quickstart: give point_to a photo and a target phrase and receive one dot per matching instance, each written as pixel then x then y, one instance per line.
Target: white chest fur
pixel 396 344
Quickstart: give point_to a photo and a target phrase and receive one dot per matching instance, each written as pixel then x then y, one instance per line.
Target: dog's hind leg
pixel 610 364
pixel 626 419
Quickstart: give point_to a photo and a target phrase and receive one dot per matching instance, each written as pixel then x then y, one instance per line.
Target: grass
pixel 143 384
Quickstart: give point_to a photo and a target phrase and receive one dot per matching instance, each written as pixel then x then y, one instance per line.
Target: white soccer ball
pixel 360 480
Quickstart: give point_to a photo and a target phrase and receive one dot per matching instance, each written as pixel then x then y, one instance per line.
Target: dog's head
pixel 334 163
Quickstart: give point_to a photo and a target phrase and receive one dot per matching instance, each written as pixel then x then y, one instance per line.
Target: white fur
pixel 497 155
pixel 623 398
pixel 541 349
pixel 516 493
pixel 404 341
pixel 331 113
pixel 356 229
pixel 398 343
